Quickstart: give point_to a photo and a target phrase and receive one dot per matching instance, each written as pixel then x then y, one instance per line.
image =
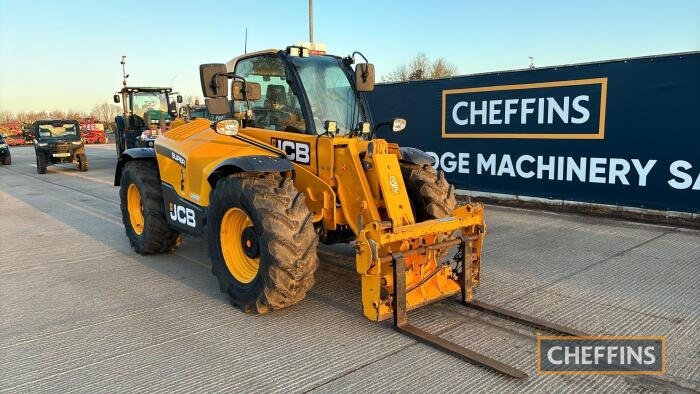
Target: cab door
pixel 278 118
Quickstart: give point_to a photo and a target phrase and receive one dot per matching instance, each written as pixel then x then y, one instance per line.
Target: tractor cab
pixel 147 113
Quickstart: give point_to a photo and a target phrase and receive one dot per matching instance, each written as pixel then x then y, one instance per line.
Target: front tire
pixel 7 160
pixel 41 163
pixel 261 242
pixel 143 212
pixel 82 162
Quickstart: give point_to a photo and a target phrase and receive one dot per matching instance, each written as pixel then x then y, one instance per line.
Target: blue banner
pixel 621 132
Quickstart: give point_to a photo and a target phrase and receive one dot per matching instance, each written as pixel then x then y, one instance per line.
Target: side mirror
pixel 217 106
pixel 252 91
pixel 398 124
pixel 172 109
pixel 179 99
pixel 364 77
pixel 117 99
pixel 213 79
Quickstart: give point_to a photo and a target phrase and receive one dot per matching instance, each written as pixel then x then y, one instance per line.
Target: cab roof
pixel 55 121
pixel 147 89
pixel 231 64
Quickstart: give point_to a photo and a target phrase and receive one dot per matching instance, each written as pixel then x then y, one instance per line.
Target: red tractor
pixel 92 132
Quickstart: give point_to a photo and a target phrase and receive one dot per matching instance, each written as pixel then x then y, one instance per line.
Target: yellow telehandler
pixel 294 161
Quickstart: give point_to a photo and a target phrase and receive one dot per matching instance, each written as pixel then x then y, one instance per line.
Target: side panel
pixel 181 214
pixel 355 195
pixel 300 148
pixel 188 154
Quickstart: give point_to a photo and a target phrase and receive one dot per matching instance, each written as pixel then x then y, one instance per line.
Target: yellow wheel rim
pixel 239 245
pixel 133 203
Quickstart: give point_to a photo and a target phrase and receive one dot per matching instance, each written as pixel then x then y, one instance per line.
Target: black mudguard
pixel 415 156
pixel 132 154
pixel 257 163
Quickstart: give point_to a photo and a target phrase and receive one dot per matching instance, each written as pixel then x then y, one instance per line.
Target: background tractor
pixel 294 162
pixel 147 113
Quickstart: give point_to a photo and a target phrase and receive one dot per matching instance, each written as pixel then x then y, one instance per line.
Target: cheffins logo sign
pixel 550 110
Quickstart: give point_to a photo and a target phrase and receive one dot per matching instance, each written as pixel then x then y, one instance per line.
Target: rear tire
pixel 431 195
pixel 146 228
pixel 276 218
pixel 82 162
pixel 41 163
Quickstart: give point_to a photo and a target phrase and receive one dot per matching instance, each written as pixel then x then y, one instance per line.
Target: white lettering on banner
pixel 549 110
pixel 448 163
pixel 678 169
pixel 461 104
pixel 486 164
pixel 602 170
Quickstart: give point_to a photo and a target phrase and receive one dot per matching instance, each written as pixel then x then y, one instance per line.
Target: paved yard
pixel 80 311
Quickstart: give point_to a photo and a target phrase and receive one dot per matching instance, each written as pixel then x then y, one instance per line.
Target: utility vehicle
pixel 58 142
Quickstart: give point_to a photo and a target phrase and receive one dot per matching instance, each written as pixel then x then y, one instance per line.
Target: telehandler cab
pixel 294 162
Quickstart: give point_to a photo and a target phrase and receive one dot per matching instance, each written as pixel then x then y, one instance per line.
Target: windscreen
pixel 329 91
pixel 57 130
pixel 145 101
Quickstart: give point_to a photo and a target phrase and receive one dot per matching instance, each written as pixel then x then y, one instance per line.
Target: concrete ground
pixel 80 311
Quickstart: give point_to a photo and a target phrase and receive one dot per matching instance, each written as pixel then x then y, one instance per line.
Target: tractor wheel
pixel 143 211
pixel 41 163
pixel 82 162
pixel 261 242
pixel 432 197
pixel 7 160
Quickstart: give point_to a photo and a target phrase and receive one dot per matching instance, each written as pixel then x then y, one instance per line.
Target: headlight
pixel 146 134
pixel 3 146
pixel 77 142
pixel 41 144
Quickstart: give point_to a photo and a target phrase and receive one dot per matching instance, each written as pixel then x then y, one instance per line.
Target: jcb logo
pixel 299 152
pixel 394 184
pixel 183 215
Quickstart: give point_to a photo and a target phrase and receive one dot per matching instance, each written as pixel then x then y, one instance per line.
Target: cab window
pixel 278 107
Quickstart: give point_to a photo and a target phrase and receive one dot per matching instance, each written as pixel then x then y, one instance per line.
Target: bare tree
pixel 105 112
pixel 6 117
pixel 420 67
pixel 191 99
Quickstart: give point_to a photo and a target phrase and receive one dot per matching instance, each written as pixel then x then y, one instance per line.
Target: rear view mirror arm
pixel 214 84
pixel 230 75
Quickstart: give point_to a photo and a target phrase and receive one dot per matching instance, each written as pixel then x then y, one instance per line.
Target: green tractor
pixel 147 113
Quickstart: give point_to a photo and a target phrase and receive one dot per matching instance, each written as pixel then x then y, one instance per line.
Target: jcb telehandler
pixel 295 161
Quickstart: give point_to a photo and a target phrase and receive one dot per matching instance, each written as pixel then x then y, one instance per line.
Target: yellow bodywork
pixel 346 188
